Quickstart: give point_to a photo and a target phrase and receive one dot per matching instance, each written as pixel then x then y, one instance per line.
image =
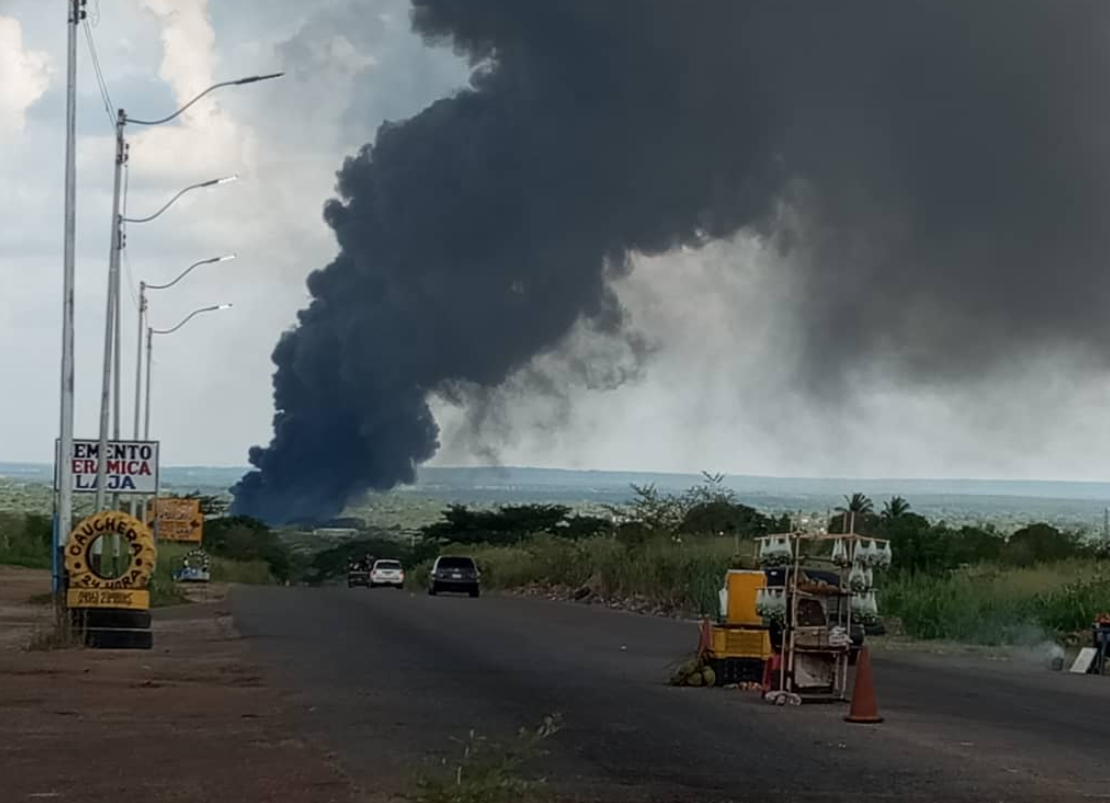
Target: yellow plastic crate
pixel 741 642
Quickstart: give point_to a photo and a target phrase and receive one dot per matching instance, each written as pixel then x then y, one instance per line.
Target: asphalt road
pixel 388 678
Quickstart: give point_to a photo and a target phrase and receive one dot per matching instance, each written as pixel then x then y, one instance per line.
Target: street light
pixel 115 322
pixel 112 318
pixel 150 333
pixel 143 287
pixel 202 185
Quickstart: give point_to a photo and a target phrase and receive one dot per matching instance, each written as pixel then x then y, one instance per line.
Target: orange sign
pixel 178 520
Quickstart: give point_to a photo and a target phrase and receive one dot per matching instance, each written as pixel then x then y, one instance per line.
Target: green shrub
pixel 667 572
pixel 25 539
pixel 246 540
pixel 1000 605
pixel 226 570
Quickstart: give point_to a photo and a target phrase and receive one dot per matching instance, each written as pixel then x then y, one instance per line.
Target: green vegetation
pixel 951 579
pixel 163 590
pixel 248 541
pixel 666 575
pixel 242 550
pixel 511 524
pixel 61 631
pixel 487 772
pixel 25 539
pixel 992 605
pixel 964 583
pixel 224 570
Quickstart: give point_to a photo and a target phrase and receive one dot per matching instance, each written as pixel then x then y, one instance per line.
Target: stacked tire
pixel 112 612
pixel 118 629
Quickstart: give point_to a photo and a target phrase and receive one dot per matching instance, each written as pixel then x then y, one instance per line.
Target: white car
pixel 387 573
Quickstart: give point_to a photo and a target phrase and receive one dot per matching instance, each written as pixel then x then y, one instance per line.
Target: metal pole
pixel 146 407
pixel 139 357
pixel 110 318
pixel 114 539
pixel 64 515
pixel 139 375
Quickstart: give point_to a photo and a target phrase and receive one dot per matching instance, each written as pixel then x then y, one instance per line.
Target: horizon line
pixel 46 466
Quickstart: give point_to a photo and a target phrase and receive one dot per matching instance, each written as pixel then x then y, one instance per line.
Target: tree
pixel 857 503
pixel 1039 543
pixel 895 506
pixel 864 514
pixel 651 509
pixel 510 524
pixel 244 538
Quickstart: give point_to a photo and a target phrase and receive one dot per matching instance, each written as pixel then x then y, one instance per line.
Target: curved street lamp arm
pixel 167 205
pixel 186 272
pixel 183 109
pixel 188 318
pixel 173 200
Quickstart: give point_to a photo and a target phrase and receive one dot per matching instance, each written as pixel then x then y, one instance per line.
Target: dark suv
pixel 454 573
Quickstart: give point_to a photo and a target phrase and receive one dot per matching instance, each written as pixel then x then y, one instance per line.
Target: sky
pixel 717 391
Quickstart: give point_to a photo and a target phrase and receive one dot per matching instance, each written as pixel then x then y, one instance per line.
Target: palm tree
pixel 895 506
pixel 859 504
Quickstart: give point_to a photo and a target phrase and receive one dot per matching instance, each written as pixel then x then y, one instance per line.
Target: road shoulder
pixel 191 719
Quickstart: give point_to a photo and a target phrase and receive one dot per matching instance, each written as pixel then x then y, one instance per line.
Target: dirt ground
pixel 190 720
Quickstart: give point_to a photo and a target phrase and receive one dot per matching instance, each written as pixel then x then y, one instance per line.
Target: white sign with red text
pixel 132 467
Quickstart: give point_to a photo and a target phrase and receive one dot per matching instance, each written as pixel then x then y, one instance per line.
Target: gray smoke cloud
pixel 933 176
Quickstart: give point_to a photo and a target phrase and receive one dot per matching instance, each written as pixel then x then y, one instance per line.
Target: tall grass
pixel 673 575
pixel 983 604
pixel 225 570
pixel 992 605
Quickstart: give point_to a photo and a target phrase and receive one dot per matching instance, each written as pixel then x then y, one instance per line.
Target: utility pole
pixel 63 521
pixel 111 317
pixel 149 356
pixel 139 384
pixel 139 357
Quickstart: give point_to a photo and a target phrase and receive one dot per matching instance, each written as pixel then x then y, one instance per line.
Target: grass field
pixel 995 605
pixel 673 576
pixel 983 604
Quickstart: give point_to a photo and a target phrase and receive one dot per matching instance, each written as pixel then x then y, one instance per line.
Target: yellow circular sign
pixel 137 538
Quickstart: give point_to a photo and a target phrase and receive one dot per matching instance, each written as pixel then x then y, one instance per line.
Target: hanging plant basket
pixel 775 551
pixel 841 554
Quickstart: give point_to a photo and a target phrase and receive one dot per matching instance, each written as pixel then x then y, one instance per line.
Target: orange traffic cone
pixel 864 707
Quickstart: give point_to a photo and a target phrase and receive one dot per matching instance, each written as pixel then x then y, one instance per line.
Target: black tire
pixel 474 592
pixel 432 591
pixel 117 619
pixel 104 639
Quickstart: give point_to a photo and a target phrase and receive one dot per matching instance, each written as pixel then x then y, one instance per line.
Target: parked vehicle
pixel 387 573
pixel 456 574
pixel 358 571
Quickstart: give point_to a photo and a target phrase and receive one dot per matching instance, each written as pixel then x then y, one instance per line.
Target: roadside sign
pixel 177 519
pixel 132 466
pixel 1084 660
pixel 137 599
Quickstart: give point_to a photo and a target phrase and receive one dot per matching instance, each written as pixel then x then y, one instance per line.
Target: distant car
pixel 456 574
pixel 387 573
pixel 358 572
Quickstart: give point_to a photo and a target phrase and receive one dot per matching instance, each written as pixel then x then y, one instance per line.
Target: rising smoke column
pixel 934 173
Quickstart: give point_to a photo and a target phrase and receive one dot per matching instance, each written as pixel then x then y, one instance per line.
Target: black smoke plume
pixel 935 173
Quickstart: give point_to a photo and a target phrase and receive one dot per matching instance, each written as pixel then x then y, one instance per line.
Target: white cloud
pixel 24 76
